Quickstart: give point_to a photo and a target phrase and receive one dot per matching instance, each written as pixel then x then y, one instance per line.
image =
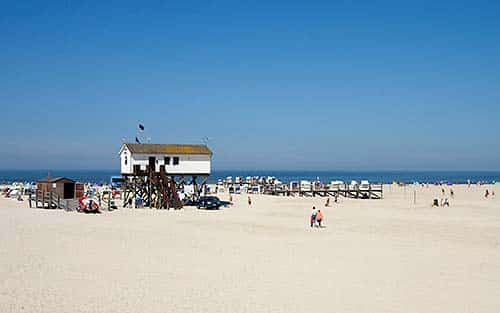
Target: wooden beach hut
pixel 59 186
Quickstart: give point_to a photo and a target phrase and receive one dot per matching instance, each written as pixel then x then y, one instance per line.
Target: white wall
pixel 188 164
pixel 126 168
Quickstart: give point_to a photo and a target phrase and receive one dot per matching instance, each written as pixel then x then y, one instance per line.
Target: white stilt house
pixel 178 159
pixel 155 172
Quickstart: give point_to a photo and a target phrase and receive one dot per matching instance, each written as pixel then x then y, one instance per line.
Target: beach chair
pixel 354 185
pixel 364 186
pixel 305 185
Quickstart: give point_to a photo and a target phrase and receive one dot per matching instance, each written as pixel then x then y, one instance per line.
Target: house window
pixel 167 160
pixel 126 160
pixel 176 160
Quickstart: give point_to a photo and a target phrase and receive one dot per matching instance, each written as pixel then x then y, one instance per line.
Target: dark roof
pixel 50 179
pixel 168 149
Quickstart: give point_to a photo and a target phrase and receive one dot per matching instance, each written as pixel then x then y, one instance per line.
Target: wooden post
pixel 135 196
pixel 125 191
pixel 109 203
pixel 195 187
pixel 50 200
pixel 150 191
pixel 36 198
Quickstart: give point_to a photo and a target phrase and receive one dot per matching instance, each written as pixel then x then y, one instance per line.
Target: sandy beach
pixel 388 255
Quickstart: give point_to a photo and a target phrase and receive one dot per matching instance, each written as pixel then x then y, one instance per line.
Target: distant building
pixel 178 159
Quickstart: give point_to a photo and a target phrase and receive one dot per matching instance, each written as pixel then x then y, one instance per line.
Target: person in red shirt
pixel 319 218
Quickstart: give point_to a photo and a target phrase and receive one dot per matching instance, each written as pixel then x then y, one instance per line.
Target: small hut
pixel 59 186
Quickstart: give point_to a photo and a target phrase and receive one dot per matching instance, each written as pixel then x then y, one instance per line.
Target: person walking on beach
pixel 314 214
pixel 486 194
pixel 452 193
pixel 327 204
pixel 319 218
pixel 249 201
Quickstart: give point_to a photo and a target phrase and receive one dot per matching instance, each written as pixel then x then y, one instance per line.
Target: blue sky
pixel 275 84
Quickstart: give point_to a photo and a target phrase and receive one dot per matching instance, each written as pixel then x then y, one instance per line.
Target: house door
pixel 152 165
pixel 69 191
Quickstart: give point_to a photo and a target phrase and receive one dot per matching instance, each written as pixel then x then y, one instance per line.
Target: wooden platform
pixel 49 200
pixel 373 191
pixel 158 189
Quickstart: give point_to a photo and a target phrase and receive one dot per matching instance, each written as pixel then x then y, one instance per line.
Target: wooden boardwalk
pixel 372 191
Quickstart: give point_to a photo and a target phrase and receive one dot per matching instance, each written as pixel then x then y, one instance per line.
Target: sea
pixel 103 176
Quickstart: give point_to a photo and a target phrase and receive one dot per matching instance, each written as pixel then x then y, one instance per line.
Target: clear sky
pixel 275 84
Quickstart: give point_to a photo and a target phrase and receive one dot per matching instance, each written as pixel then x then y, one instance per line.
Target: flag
pixel 137 140
pixel 141 127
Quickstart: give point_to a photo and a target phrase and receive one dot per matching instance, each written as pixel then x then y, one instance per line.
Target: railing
pixel 51 200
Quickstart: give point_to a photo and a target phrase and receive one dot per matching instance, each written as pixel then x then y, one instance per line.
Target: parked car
pixel 211 203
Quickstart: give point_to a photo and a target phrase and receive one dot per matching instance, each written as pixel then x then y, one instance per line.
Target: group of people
pixel 444 202
pixel 327 204
pixel 249 200
pixel 452 193
pixel 316 218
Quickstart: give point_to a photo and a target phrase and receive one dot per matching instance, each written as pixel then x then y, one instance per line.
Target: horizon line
pixel 274 170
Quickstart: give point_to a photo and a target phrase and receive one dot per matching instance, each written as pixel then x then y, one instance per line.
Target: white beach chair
pixel 354 185
pixel 305 185
pixel 364 186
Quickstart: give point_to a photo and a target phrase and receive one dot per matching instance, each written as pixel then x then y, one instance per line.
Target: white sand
pixel 374 256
